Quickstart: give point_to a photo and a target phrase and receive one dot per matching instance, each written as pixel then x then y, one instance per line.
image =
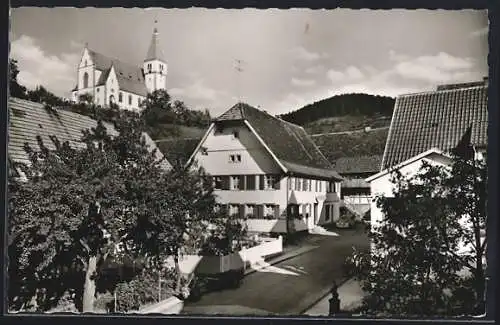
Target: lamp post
pixel 334 301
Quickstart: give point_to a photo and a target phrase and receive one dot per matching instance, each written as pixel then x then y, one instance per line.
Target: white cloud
pixel 315 69
pixel 56 73
pixel 196 91
pixel 303 82
pixel 439 68
pixel 301 53
pixel 351 73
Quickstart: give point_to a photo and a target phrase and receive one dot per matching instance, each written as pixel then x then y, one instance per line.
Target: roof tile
pixel 289 142
pixel 436 119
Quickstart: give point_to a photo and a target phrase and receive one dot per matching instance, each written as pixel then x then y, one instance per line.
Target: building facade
pixel 109 80
pixel 268 172
pixel 426 127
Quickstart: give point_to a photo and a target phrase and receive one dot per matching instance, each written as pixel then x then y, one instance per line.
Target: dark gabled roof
pixel 352 144
pixel 290 143
pixel 358 165
pixel 154 51
pixel 178 149
pixel 436 119
pixel 27 120
pixel 130 77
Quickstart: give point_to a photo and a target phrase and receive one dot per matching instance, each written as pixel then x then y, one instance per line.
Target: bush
pixel 143 290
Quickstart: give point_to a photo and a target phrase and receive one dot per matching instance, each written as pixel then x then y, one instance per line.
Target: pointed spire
pixel 154 51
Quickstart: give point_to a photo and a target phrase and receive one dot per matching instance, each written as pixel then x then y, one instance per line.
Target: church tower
pixel 155 66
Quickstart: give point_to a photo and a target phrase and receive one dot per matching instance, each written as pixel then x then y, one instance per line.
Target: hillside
pixel 352 144
pixel 347 123
pixel 359 106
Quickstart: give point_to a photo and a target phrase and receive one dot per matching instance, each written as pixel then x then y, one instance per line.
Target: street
pixel 288 287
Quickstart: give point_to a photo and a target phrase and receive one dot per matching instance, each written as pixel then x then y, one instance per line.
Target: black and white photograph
pixel 248 162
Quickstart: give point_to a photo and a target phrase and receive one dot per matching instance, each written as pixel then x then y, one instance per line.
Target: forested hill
pixel 342 105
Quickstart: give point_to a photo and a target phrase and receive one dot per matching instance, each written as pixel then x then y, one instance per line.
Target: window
pixel 234 210
pixel 149 68
pixel 298 184
pixel 138 101
pixel 290 183
pixel 250 211
pixel 309 183
pixel 111 98
pixel 235 182
pixel 304 184
pixel 234 158
pixel 85 80
pixel 218 183
pixel 98 89
pixel 320 186
pixel 120 97
pixel 268 182
pixel 85 62
pixel 316 186
pixel 130 99
pixel 236 134
pixel 331 187
pixel 270 211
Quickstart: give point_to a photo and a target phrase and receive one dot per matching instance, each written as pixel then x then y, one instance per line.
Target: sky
pixel 290 58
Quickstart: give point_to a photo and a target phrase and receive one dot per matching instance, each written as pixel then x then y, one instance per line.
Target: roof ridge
pixel 113 58
pixel 428 92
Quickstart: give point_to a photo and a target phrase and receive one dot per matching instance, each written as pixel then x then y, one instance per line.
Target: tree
pixel 81 207
pixel 431 232
pixel 42 95
pixel 157 108
pixel 16 90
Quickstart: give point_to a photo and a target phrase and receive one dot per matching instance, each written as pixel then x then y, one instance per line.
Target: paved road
pixel 286 288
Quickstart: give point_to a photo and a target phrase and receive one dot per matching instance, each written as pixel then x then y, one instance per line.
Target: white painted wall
pixel 156 78
pixel 214 157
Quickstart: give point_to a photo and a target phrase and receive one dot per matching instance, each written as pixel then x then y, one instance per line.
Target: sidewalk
pixel 288 253
pixel 350 295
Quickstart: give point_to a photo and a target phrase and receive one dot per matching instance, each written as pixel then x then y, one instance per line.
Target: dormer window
pixel 236 134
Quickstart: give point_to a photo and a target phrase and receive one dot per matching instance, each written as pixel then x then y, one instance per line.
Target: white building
pixel 268 171
pixel 110 80
pixel 424 127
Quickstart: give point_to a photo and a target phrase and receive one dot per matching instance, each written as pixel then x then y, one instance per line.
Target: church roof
pixel 290 143
pixel 27 120
pixel 154 51
pixel 436 119
pixel 130 77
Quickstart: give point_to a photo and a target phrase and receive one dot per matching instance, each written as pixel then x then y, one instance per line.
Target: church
pixel 109 80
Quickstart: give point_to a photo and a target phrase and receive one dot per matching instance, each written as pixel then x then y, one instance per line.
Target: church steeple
pixel 154 51
pixel 155 66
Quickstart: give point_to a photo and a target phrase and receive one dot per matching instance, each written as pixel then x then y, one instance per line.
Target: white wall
pixel 157 78
pixel 383 185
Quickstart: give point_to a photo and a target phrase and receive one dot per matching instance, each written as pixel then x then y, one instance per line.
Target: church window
pixel 120 97
pixel 130 99
pixel 85 62
pixel 112 99
pixel 149 67
pixel 98 89
pixel 85 80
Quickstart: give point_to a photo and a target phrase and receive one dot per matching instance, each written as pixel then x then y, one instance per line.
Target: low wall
pixel 274 225
pixel 172 305
pixel 218 264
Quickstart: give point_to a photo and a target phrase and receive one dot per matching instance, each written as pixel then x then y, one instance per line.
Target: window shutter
pixel 261 182
pixel 276 182
pixel 242 211
pixel 250 182
pixel 243 185
pixel 226 182
pixel 260 211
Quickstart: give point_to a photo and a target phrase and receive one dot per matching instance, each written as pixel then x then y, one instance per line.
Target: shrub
pixel 143 290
